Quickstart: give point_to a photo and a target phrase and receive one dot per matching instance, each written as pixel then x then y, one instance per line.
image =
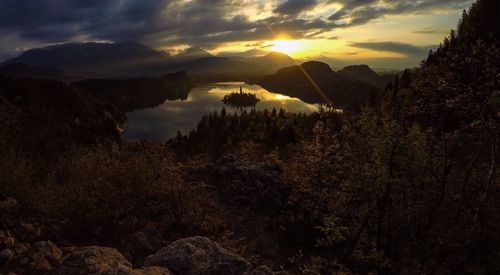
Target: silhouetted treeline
pixel 219 133
pixel 411 182
pixel 138 93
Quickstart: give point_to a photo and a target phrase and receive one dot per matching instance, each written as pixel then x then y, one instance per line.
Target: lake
pixel 162 122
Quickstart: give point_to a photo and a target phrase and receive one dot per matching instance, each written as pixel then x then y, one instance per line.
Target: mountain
pixel 271 62
pixel 134 59
pixel 332 62
pixel 234 66
pixel 104 58
pixel 293 81
pixel 20 70
pixel 358 72
pixel 366 74
pixel 190 54
pixel 209 65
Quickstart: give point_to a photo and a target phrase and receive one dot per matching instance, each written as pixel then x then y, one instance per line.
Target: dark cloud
pixel 406 49
pixel 359 12
pixel 163 23
pixel 293 7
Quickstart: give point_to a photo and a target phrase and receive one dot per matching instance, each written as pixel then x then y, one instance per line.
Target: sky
pixel 391 34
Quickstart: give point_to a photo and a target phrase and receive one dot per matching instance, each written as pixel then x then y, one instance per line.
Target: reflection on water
pixel 163 122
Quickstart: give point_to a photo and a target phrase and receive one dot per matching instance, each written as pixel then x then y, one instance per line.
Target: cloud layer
pixel 205 23
pixel 395 47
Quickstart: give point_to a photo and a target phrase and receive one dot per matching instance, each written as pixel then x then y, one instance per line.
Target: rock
pixel 45 255
pixel 41 264
pixel 21 248
pixel 48 250
pixel 94 260
pixel 5 256
pixel 29 230
pixel 102 261
pixel 10 242
pixel 198 255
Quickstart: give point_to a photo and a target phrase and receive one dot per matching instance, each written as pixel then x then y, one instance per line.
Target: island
pixel 240 99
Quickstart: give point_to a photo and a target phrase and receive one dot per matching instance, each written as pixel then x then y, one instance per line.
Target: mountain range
pixel 351 86
pixel 130 58
pixel 276 72
pixel 365 74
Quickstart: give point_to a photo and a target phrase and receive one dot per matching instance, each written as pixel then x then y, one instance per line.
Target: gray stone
pixel 94 260
pixel 45 255
pixel 102 261
pixel 198 255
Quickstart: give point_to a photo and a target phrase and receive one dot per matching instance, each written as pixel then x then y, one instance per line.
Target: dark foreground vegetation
pixel 408 184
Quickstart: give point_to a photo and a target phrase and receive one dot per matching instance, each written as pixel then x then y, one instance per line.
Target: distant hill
pixel 134 59
pixel 190 54
pixel 292 81
pixel 271 62
pixel 234 66
pixel 20 70
pixel 366 74
pixel 105 58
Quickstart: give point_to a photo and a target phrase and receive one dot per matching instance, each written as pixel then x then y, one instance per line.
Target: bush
pixel 97 195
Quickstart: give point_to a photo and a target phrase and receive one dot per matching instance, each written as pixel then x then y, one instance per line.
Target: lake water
pixel 163 122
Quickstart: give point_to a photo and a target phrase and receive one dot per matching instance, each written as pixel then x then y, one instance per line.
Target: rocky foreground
pixel 30 248
pixel 194 255
pixel 24 248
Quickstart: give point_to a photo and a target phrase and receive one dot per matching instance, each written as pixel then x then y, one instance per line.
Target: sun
pixel 286 46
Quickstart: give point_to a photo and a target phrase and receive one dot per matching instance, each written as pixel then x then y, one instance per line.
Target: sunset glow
pixel 383 34
pixel 287 46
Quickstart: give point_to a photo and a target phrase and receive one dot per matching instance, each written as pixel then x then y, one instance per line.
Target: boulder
pixel 45 255
pixel 102 261
pixel 94 260
pixel 29 230
pixel 198 255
